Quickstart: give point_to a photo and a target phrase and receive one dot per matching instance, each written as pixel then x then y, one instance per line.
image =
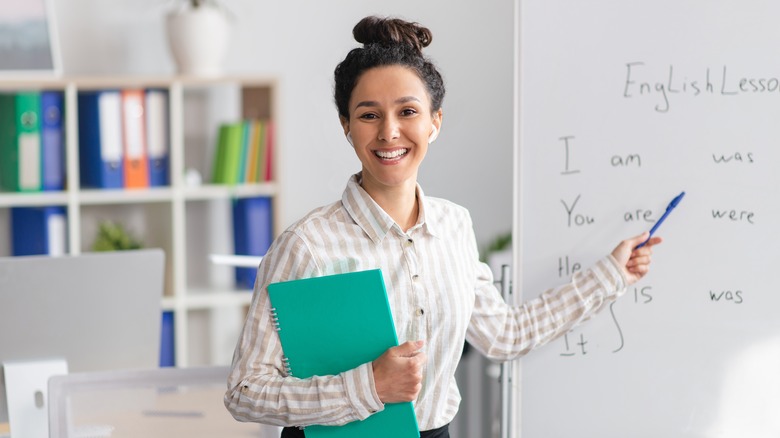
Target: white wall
pixel 301 42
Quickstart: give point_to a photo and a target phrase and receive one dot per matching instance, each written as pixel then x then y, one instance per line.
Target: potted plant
pixel 198 35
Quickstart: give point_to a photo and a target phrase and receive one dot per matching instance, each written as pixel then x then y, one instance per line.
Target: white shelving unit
pixel 189 222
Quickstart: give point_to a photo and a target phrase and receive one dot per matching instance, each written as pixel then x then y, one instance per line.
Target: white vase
pixel 198 38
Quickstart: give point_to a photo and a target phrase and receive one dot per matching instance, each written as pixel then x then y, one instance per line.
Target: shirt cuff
pixel 361 391
pixel 611 275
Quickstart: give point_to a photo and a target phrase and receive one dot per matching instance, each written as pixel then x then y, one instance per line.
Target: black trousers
pixel 442 432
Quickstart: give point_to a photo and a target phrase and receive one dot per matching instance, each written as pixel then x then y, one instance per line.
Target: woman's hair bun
pixel 388 31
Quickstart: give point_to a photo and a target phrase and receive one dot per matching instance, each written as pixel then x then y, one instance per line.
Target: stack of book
pixel 243 153
pixel 31 141
pixel 123 138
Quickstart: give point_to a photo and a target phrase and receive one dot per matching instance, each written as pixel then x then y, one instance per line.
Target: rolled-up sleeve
pixel 504 332
pixel 259 388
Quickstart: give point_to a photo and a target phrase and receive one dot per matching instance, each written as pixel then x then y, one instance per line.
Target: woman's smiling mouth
pixel 395 154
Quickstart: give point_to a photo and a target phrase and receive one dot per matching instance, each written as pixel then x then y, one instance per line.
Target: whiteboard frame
pixel 514 408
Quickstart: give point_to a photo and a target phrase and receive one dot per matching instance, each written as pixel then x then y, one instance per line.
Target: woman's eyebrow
pixel 373 103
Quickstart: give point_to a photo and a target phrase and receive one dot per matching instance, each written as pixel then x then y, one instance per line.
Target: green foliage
pixel 500 243
pixel 113 237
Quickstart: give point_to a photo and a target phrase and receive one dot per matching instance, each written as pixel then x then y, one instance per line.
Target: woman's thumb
pixel 409 348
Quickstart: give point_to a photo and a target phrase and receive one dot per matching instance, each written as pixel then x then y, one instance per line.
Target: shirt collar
pixel 374 221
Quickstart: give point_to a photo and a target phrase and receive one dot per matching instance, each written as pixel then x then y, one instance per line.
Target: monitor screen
pixel 98 311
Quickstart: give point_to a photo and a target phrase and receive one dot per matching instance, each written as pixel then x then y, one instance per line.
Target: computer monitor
pixel 98 311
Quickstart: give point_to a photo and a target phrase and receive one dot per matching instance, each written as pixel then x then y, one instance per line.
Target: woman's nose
pixel 390 129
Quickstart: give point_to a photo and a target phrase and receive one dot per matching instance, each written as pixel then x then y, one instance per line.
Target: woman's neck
pixel 398 202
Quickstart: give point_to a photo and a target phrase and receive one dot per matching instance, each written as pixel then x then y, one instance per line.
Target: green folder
pixel 20 141
pixel 335 323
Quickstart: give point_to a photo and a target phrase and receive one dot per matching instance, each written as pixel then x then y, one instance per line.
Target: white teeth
pixel 391 154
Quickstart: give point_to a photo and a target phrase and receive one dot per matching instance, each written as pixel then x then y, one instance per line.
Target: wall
pixel 301 42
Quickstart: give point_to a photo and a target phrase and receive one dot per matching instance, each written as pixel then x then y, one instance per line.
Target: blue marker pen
pixel 658 223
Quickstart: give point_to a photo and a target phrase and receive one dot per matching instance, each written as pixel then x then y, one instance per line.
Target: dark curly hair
pixel 387 41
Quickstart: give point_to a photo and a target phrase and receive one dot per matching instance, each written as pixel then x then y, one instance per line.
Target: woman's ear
pixel 436 126
pixel 345 127
pixel 434 134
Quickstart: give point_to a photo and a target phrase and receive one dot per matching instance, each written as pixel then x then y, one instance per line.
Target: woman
pixel 389 99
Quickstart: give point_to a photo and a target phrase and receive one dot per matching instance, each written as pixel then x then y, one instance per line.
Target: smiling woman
pixel 389 97
pixel 391 124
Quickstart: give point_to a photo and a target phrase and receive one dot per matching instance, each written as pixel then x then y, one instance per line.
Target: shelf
pixel 206 300
pixel 136 196
pixel 33 199
pixel 188 222
pixel 219 299
pixel 121 196
pixel 213 191
pixel 237 261
pixel 168 303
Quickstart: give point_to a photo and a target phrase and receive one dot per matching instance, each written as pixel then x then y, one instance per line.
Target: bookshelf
pixel 188 220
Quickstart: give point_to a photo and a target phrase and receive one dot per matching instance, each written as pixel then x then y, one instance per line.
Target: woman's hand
pixel 398 372
pixel 635 262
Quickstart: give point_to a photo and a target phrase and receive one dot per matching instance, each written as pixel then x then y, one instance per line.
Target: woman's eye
pixel 409 112
pixel 368 116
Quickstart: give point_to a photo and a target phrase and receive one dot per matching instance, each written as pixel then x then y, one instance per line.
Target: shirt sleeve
pixel 258 387
pixel 503 332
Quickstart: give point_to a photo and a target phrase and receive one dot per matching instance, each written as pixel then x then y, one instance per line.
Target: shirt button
pixel 415 277
pixel 409 241
pixel 420 312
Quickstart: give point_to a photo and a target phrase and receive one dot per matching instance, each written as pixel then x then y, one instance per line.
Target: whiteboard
pixel 623 105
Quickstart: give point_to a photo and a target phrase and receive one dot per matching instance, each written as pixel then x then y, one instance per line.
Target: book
pixel 38 231
pixel 250 169
pixel 269 149
pixel 243 152
pixel 334 323
pixel 262 141
pixel 217 167
pixel 157 136
pixel 52 140
pixel 101 156
pixel 227 156
pixel 252 234
pixel 136 162
pixel 233 144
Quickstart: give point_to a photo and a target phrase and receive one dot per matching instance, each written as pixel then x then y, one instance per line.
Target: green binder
pixel 9 149
pixel 20 141
pixel 335 323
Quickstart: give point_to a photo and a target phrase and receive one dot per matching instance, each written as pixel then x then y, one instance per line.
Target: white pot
pixel 198 38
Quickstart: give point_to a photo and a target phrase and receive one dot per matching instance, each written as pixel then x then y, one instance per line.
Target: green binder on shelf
pixel 331 324
pixel 20 141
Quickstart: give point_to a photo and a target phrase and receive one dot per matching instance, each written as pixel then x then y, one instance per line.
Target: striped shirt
pixel 438 290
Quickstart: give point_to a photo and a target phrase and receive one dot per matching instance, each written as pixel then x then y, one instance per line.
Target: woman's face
pixel 390 123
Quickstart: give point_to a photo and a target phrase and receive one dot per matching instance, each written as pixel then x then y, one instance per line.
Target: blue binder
pixel 38 231
pixel 157 136
pixel 100 139
pixel 252 234
pixel 167 342
pixel 52 140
